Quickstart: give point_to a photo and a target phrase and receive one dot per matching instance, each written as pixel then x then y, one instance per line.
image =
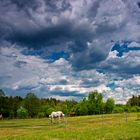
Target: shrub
pixel 41 115
pixel 22 112
pixel 81 110
pixel 127 109
pixel 109 106
pixel 11 114
pixel 134 109
pixel 118 109
pixel 49 111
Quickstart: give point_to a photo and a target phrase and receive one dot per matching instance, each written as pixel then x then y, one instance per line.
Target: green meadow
pixel 94 127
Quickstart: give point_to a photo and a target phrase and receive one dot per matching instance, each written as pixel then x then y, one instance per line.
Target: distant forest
pixel 32 106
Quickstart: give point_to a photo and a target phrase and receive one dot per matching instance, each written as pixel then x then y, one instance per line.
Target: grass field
pixel 114 127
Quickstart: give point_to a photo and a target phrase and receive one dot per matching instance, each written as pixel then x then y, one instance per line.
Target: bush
pixel 49 111
pixel 22 112
pixel 32 104
pixel 41 115
pixel 11 114
pixel 135 109
pixel 109 106
pixel 127 109
pixel 118 109
pixel 81 109
pixel 138 108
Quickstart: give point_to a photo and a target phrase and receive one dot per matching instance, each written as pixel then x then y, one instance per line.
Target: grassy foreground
pixel 114 127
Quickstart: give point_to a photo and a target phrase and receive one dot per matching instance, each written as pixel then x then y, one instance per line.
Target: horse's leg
pixel 59 118
pixel 52 119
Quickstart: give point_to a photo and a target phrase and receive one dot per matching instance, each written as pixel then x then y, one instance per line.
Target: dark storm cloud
pixel 72 34
pixel 20 64
pixel 93 9
pixel 90 83
pixel 88 59
pixel 121 68
pixel 5 78
pixel 63 82
pixel 64 48
pixel 125 66
pixel 70 25
pixel 19 25
pixel 25 30
pixel 53 35
pixel 139 4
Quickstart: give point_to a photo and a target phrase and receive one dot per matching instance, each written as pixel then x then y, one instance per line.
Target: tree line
pixel 32 106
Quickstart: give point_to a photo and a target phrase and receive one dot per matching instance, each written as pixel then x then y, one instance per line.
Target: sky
pixel 67 48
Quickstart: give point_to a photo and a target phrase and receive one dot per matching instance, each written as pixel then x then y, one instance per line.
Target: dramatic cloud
pixel 65 49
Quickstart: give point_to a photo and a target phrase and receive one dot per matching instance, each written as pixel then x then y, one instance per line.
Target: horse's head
pixel 63 115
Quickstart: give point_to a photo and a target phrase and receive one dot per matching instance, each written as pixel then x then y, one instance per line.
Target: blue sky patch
pixel 57 55
pixel 111 85
pixel 123 48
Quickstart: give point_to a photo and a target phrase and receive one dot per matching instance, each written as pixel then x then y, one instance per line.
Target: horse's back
pixel 57 114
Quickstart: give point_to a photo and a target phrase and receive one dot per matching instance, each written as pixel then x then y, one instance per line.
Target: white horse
pixel 58 114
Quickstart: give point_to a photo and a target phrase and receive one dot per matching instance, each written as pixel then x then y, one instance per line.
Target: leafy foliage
pixel 31 103
pixel 109 106
pixel 118 109
pixel 41 115
pixel 134 101
pixel 22 112
pixel 32 106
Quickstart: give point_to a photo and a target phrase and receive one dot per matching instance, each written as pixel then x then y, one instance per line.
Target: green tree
pixel 109 106
pixel 134 101
pixel 49 111
pixel 95 103
pixel 135 109
pixel 5 106
pixel 11 114
pixel 22 112
pixel 32 104
pixel 81 109
pixel 41 114
pixel 16 103
pixel 118 109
